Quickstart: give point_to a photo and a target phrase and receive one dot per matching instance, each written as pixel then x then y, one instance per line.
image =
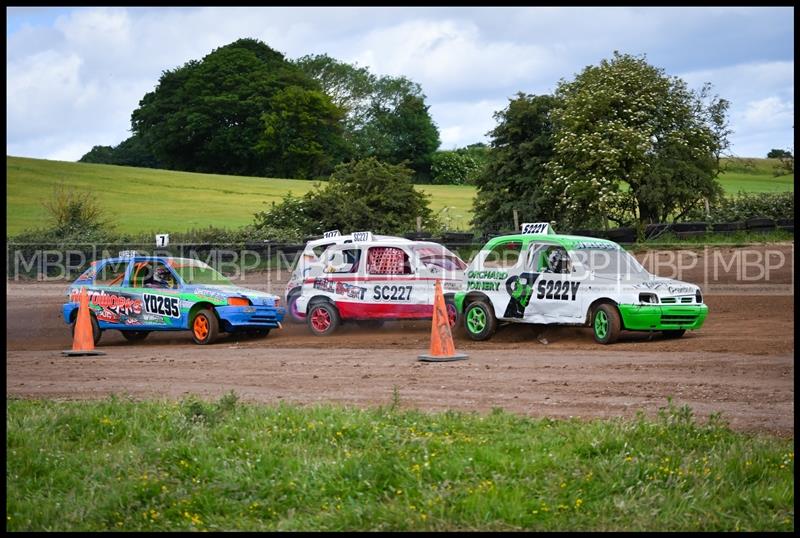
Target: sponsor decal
pixel 482 285
pixel 210 294
pixel 671 287
pixel 455 286
pixel 340 288
pixel 119 303
pixel 597 244
pixel 392 293
pixel 161 305
pixel 487 275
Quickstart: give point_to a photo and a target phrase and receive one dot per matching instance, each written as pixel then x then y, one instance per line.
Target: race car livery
pixel 539 276
pixel 309 256
pixel 138 294
pixel 372 279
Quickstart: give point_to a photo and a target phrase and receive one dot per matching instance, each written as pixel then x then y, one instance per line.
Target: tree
pixel 130 152
pixel 778 154
pixel 360 195
pixel 385 117
pixel 302 134
pixel 513 178
pixel 633 145
pixel 209 115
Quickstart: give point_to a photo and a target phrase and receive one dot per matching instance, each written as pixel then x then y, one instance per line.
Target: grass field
pixel 146 200
pixel 193 465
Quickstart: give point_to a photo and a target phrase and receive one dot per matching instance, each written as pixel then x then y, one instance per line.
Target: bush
pixel 360 195
pixel 743 206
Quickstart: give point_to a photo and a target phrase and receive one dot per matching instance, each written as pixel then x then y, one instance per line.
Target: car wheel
pixel 205 327
pixel 452 312
pixel 322 318
pixel 291 308
pixel 606 324
pixel 96 332
pixel 479 320
pixel 675 333
pixel 135 336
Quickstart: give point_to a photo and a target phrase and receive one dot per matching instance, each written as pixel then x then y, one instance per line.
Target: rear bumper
pixel 240 317
pixel 662 318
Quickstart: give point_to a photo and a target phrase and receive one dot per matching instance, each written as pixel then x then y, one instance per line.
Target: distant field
pixel 146 200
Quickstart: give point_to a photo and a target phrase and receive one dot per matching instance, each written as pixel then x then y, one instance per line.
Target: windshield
pixel 197 272
pixel 606 262
pixel 439 256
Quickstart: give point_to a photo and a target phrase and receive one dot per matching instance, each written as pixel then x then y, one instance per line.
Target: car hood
pixel 659 285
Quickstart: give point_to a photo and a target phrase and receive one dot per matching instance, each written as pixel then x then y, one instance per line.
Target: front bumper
pixel 242 317
pixel 662 317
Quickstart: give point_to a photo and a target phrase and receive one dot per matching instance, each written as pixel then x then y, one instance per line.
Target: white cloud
pixel 75 76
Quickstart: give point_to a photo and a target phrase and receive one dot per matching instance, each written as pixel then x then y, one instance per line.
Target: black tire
pixel 674 333
pixel 291 313
pixel 479 320
pixel 370 323
pixel 606 323
pixel 135 336
pixel 204 327
pixel 96 332
pixel 322 318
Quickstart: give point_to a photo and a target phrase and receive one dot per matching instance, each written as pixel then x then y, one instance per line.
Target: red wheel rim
pixel 320 319
pixel 451 314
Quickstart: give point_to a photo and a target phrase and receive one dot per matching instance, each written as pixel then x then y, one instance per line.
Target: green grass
pixel 193 465
pixel 146 200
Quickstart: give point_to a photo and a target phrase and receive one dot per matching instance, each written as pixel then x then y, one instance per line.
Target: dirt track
pixel 740 363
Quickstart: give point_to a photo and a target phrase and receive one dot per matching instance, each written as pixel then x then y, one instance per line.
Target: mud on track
pixel 740 363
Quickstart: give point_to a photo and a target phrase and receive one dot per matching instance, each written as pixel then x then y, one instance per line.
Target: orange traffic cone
pixel 83 337
pixel 442 347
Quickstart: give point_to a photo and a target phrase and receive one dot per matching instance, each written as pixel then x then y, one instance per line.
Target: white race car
pixel 310 255
pixel 539 276
pixel 373 279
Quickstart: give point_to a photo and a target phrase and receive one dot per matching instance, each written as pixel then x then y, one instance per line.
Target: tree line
pixel 622 142
pixel 245 109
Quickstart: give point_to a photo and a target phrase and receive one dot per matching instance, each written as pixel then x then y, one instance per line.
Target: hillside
pixel 143 199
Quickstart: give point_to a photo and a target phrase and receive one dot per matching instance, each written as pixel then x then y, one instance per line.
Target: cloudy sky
pixel 74 75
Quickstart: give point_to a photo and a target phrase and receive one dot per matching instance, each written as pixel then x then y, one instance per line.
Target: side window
pixel 111 274
pixel 503 255
pixel 152 274
pixel 343 261
pixel 388 261
pixel 554 259
pixel 319 249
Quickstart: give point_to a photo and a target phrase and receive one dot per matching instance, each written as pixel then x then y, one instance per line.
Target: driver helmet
pixel 555 261
pixel 162 275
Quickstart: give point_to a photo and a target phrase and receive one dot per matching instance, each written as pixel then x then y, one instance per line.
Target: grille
pixel 678 319
pixel 686 299
pixel 668 300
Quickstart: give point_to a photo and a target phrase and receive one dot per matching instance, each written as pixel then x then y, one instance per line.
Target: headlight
pixel 649 298
pixel 698 297
pixel 277 302
pixel 238 301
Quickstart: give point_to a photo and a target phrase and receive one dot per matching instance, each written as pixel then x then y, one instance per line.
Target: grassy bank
pixel 146 200
pixel 193 465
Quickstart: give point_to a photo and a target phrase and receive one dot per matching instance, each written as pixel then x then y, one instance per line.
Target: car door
pixel 556 288
pixel 159 303
pixel 396 292
pixel 108 298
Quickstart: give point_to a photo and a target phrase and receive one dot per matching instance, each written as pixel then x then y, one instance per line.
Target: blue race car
pixel 140 294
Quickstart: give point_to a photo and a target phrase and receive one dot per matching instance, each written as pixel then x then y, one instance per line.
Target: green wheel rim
pixel 601 324
pixel 476 320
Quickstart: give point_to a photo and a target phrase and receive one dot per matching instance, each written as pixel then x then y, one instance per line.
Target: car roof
pixel 569 242
pixel 119 259
pixel 340 239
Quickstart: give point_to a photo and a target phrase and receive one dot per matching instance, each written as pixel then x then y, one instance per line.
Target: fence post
pixel 419 224
pixel 516 220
